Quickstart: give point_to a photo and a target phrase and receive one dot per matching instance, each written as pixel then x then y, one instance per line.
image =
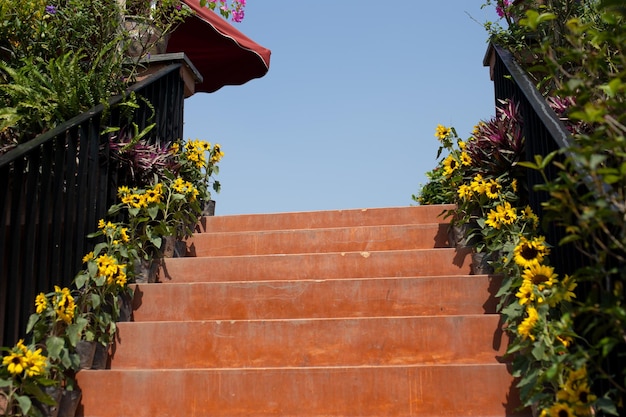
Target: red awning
pixel 222 54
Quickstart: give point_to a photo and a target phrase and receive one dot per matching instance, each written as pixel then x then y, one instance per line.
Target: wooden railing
pixel 54 189
pixel 544 133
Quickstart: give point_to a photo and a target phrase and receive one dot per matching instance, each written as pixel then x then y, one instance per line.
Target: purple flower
pixel 50 9
pixel 238 16
pixel 502 7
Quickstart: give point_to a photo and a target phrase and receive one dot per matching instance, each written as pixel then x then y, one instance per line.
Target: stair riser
pixel 320 240
pixel 468 294
pixel 322 342
pixel 423 391
pixel 427 262
pixel 327 219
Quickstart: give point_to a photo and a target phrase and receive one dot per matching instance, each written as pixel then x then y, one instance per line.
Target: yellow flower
pixel 21 346
pixel 152 196
pixel 101 224
pixel 15 363
pixel 526 327
pixel 525 294
pixel 508 214
pixel 466 159
pixel 123 234
pixel 36 363
pixel 107 265
pixel 139 201
pixel 514 185
pixel 41 303
pixel 464 192
pixel 568 286
pixel 127 199
pixel 476 129
pixel 194 194
pixel 123 190
pixel 528 214
pixel 88 257
pixel 462 145
pixel 450 164
pixel 121 276
pixel 530 252
pixel 504 214
pixel 205 146
pixel 442 132
pixel 560 410
pixel 492 189
pixel 216 154
pixel 493 220
pixel 175 148
pixel 64 305
pixel 540 275
pixel 565 341
pixel 478 184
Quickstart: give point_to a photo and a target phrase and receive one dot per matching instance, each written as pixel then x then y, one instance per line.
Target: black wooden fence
pixel 543 131
pixel 54 189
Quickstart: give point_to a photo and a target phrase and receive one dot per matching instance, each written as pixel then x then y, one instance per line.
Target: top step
pixel 430 214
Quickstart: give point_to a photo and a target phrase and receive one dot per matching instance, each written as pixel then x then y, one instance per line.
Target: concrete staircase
pixel 333 313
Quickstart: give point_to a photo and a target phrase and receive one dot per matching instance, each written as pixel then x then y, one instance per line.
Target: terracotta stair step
pixel 339 239
pixel 446 295
pixel 418 390
pixel 419 262
pixel 327 219
pixel 309 342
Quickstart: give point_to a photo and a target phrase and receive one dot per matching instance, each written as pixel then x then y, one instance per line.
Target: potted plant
pixel 104 295
pixel 56 328
pixel 149 23
pixel 197 162
pixel 24 376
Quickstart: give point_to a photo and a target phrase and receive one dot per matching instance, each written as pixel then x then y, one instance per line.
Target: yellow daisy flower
pixel 492 189
pixel 41 303
pixel 478 184
pixel 466 160
pixel 525 294
pixel 442 132
pixel 540 275
pixel 560 410
pixel 15 363
pixel 124 235
pixel 527 326
pixel 36 363
pixel 530 252
pixel 464 192
pixel 450 165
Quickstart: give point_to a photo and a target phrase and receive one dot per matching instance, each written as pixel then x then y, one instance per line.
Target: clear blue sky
pixel 345 117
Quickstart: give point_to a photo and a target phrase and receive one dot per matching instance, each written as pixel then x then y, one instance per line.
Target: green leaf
pixel 81 279
pixel 32 320
pixel 156 241
pixel 607 405
pixel 95 301
pixel 153 211
pixel 55 345
pixel 25 403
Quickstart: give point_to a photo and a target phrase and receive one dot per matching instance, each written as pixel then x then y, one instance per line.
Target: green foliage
pixel 434 191
pixel 575 346
pixel 36 95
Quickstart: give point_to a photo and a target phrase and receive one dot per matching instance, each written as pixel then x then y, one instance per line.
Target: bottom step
pixel 439 390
